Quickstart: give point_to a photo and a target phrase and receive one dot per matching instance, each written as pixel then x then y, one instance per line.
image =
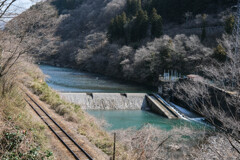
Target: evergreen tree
pixel 122 22
pixel 116 27
pixel 173 10
pixel 156 21
pixel 140 27
pixel 204 33
pixel 133 25
pixel 220 54
pixel 138 5
pixel 111 30
pixel 229 24
pixel 66 4
pixel 69 4
pixel 133 6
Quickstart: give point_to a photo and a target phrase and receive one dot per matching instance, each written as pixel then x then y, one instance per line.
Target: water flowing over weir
pixel 107 101
pixel 122 104
pixel 128 101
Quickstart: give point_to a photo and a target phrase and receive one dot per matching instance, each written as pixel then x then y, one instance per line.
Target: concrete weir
pixel 124 101
pixel 159 108
pixel 107 101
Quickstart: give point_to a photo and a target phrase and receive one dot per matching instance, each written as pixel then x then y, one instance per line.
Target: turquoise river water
pixel 71 80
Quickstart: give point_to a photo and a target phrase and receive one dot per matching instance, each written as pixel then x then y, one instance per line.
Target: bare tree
pixel 216 96
pixel 154 143
pixel 4 6
pixel 11 53
pixel 11 50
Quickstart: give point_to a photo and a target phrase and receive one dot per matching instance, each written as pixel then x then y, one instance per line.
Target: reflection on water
pixel 71 80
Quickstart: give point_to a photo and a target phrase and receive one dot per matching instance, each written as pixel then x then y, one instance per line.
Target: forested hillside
pixel 139 17
pixel 129 39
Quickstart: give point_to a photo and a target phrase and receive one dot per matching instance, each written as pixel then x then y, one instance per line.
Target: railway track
pixel 73 147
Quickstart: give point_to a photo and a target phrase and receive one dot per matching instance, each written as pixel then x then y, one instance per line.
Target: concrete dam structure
pixel 107 101
pixel 124 101
pixel 161 107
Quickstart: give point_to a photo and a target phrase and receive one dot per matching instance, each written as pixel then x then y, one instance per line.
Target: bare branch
pixel 5 7
pixel 238 151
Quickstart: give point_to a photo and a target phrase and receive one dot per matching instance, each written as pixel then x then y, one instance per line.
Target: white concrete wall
pixel 107 101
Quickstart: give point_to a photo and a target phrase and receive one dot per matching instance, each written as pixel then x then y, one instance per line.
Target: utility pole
pixel 114 147
pixel 236 32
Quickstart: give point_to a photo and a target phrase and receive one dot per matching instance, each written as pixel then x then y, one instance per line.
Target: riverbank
pixel 83 124
pixel 68 81
pixel 148 142
pixel 71 128
pixel 178 143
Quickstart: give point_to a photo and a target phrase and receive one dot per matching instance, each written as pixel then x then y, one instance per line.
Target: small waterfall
pixel 185 111
pixel 191 116
pixel 107 101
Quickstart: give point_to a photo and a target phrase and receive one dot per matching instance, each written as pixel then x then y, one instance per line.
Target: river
pixel 71 80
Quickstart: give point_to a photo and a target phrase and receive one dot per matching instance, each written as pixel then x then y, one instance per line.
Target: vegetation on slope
pixel 27 136
pixel 179 143
pixel 175 10
pixel 134 23
pixel 87 125
pixel 148 142
pixel 135 29
pixel 216 96
pixel 20 137
pixel 82 41
pixel 78 37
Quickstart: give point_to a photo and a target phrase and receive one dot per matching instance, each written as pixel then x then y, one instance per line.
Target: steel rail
pixel 69 137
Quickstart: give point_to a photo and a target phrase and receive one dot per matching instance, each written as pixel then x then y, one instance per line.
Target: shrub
pixel 20 137
pixel 11 147
pixel 220 54
pixel 229 24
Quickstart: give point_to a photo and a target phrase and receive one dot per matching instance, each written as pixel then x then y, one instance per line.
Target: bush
pixel 229 24
pixel 220 54
pixel 46 94
pixel 11 140
pixel 20 137
pixel 11 143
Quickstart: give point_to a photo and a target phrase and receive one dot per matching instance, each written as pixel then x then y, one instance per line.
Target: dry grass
pixel 21 138
pixel 69 111
pixel 87 125
pixel 151 143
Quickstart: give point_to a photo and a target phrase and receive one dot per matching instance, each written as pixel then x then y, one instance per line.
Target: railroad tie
pixel 67 140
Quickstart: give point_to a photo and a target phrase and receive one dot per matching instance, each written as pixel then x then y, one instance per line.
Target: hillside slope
pixel 77 37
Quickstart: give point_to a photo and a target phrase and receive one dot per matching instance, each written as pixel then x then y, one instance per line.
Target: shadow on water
pixel 71 80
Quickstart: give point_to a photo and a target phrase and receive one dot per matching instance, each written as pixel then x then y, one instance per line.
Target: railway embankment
pixel 79 122
pixel 75 146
